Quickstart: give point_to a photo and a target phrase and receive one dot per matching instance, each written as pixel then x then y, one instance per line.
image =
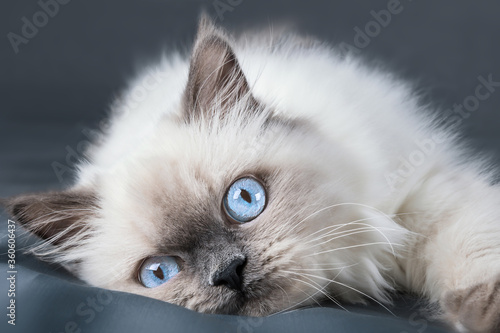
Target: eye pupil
pixel 246 196
pixel 159 273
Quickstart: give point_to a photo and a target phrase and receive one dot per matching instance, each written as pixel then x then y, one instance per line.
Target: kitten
pixel 266 174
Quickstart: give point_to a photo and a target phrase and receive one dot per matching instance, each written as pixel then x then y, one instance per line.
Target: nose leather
pixel 231 275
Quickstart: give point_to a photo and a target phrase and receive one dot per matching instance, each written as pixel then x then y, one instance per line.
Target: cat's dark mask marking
pixel 216 80
pixel 211 244
pixel 53 216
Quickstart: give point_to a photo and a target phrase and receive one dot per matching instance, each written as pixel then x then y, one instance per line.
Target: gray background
pixel 62 81
pixel 64 78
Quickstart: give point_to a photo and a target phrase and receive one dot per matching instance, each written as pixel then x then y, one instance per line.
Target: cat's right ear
pixel 53 216
pixel 216 81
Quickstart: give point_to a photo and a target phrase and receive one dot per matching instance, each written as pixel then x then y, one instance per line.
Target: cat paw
pixel 475 309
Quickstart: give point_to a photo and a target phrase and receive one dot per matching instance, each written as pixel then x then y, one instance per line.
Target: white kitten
pixel 265 174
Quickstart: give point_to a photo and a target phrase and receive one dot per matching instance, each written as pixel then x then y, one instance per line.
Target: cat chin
pixel 243 305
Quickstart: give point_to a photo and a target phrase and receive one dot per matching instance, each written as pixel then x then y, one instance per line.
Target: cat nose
pixel 231 275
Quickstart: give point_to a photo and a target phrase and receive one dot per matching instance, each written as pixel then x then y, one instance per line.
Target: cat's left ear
pixel 216 80
pixel 53 216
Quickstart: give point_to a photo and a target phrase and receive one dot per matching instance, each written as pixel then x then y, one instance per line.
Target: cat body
pixel 366 189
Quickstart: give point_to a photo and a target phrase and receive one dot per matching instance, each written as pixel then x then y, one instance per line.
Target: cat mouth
pixel 234 302
pixel 233 305
pixel 248 302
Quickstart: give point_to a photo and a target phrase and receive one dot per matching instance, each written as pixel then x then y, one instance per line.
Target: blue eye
pixel 155 271
pixel 245 199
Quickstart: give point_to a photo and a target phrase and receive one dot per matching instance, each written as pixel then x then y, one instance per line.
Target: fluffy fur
pixel 347 219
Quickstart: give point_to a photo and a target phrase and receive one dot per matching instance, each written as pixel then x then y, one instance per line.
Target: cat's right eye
pixel 244 200
pixel 156 271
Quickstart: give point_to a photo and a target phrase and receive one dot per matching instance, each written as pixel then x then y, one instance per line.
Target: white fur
pixel 436 217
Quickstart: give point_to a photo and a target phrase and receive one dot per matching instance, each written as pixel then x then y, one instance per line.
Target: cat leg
pixel 453 257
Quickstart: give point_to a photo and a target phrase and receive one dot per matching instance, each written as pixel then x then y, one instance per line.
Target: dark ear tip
pixel 17 206
pixel 208 28
pixel 205 20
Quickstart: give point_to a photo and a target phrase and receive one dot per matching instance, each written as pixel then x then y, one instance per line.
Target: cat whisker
pixel 284 293
pixel 318 287
pixel 344 204
pixel 284 226
pixel 354 232
pixel 327 264
pixel 309 296
pixel 351 247
pixel 367 228
pixel 351 288
pixel 311 215
pixel 338 226
pixel 345 233
pixel 322 269
pixel 321 290
pixel 339 205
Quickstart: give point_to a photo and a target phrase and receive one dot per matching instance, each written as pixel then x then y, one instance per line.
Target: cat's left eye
pixel 156 271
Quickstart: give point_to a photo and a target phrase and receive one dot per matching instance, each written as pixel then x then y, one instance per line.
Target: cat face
pixel 227 208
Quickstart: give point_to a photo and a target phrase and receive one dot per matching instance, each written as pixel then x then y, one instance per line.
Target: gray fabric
pixel 61 81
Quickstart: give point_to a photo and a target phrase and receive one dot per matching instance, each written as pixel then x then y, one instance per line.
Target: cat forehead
pixel 209 147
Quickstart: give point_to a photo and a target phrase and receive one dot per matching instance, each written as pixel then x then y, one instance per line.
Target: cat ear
pixel 216 80
pixel 53 216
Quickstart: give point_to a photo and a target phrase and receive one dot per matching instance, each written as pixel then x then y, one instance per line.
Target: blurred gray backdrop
pixel 61 65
